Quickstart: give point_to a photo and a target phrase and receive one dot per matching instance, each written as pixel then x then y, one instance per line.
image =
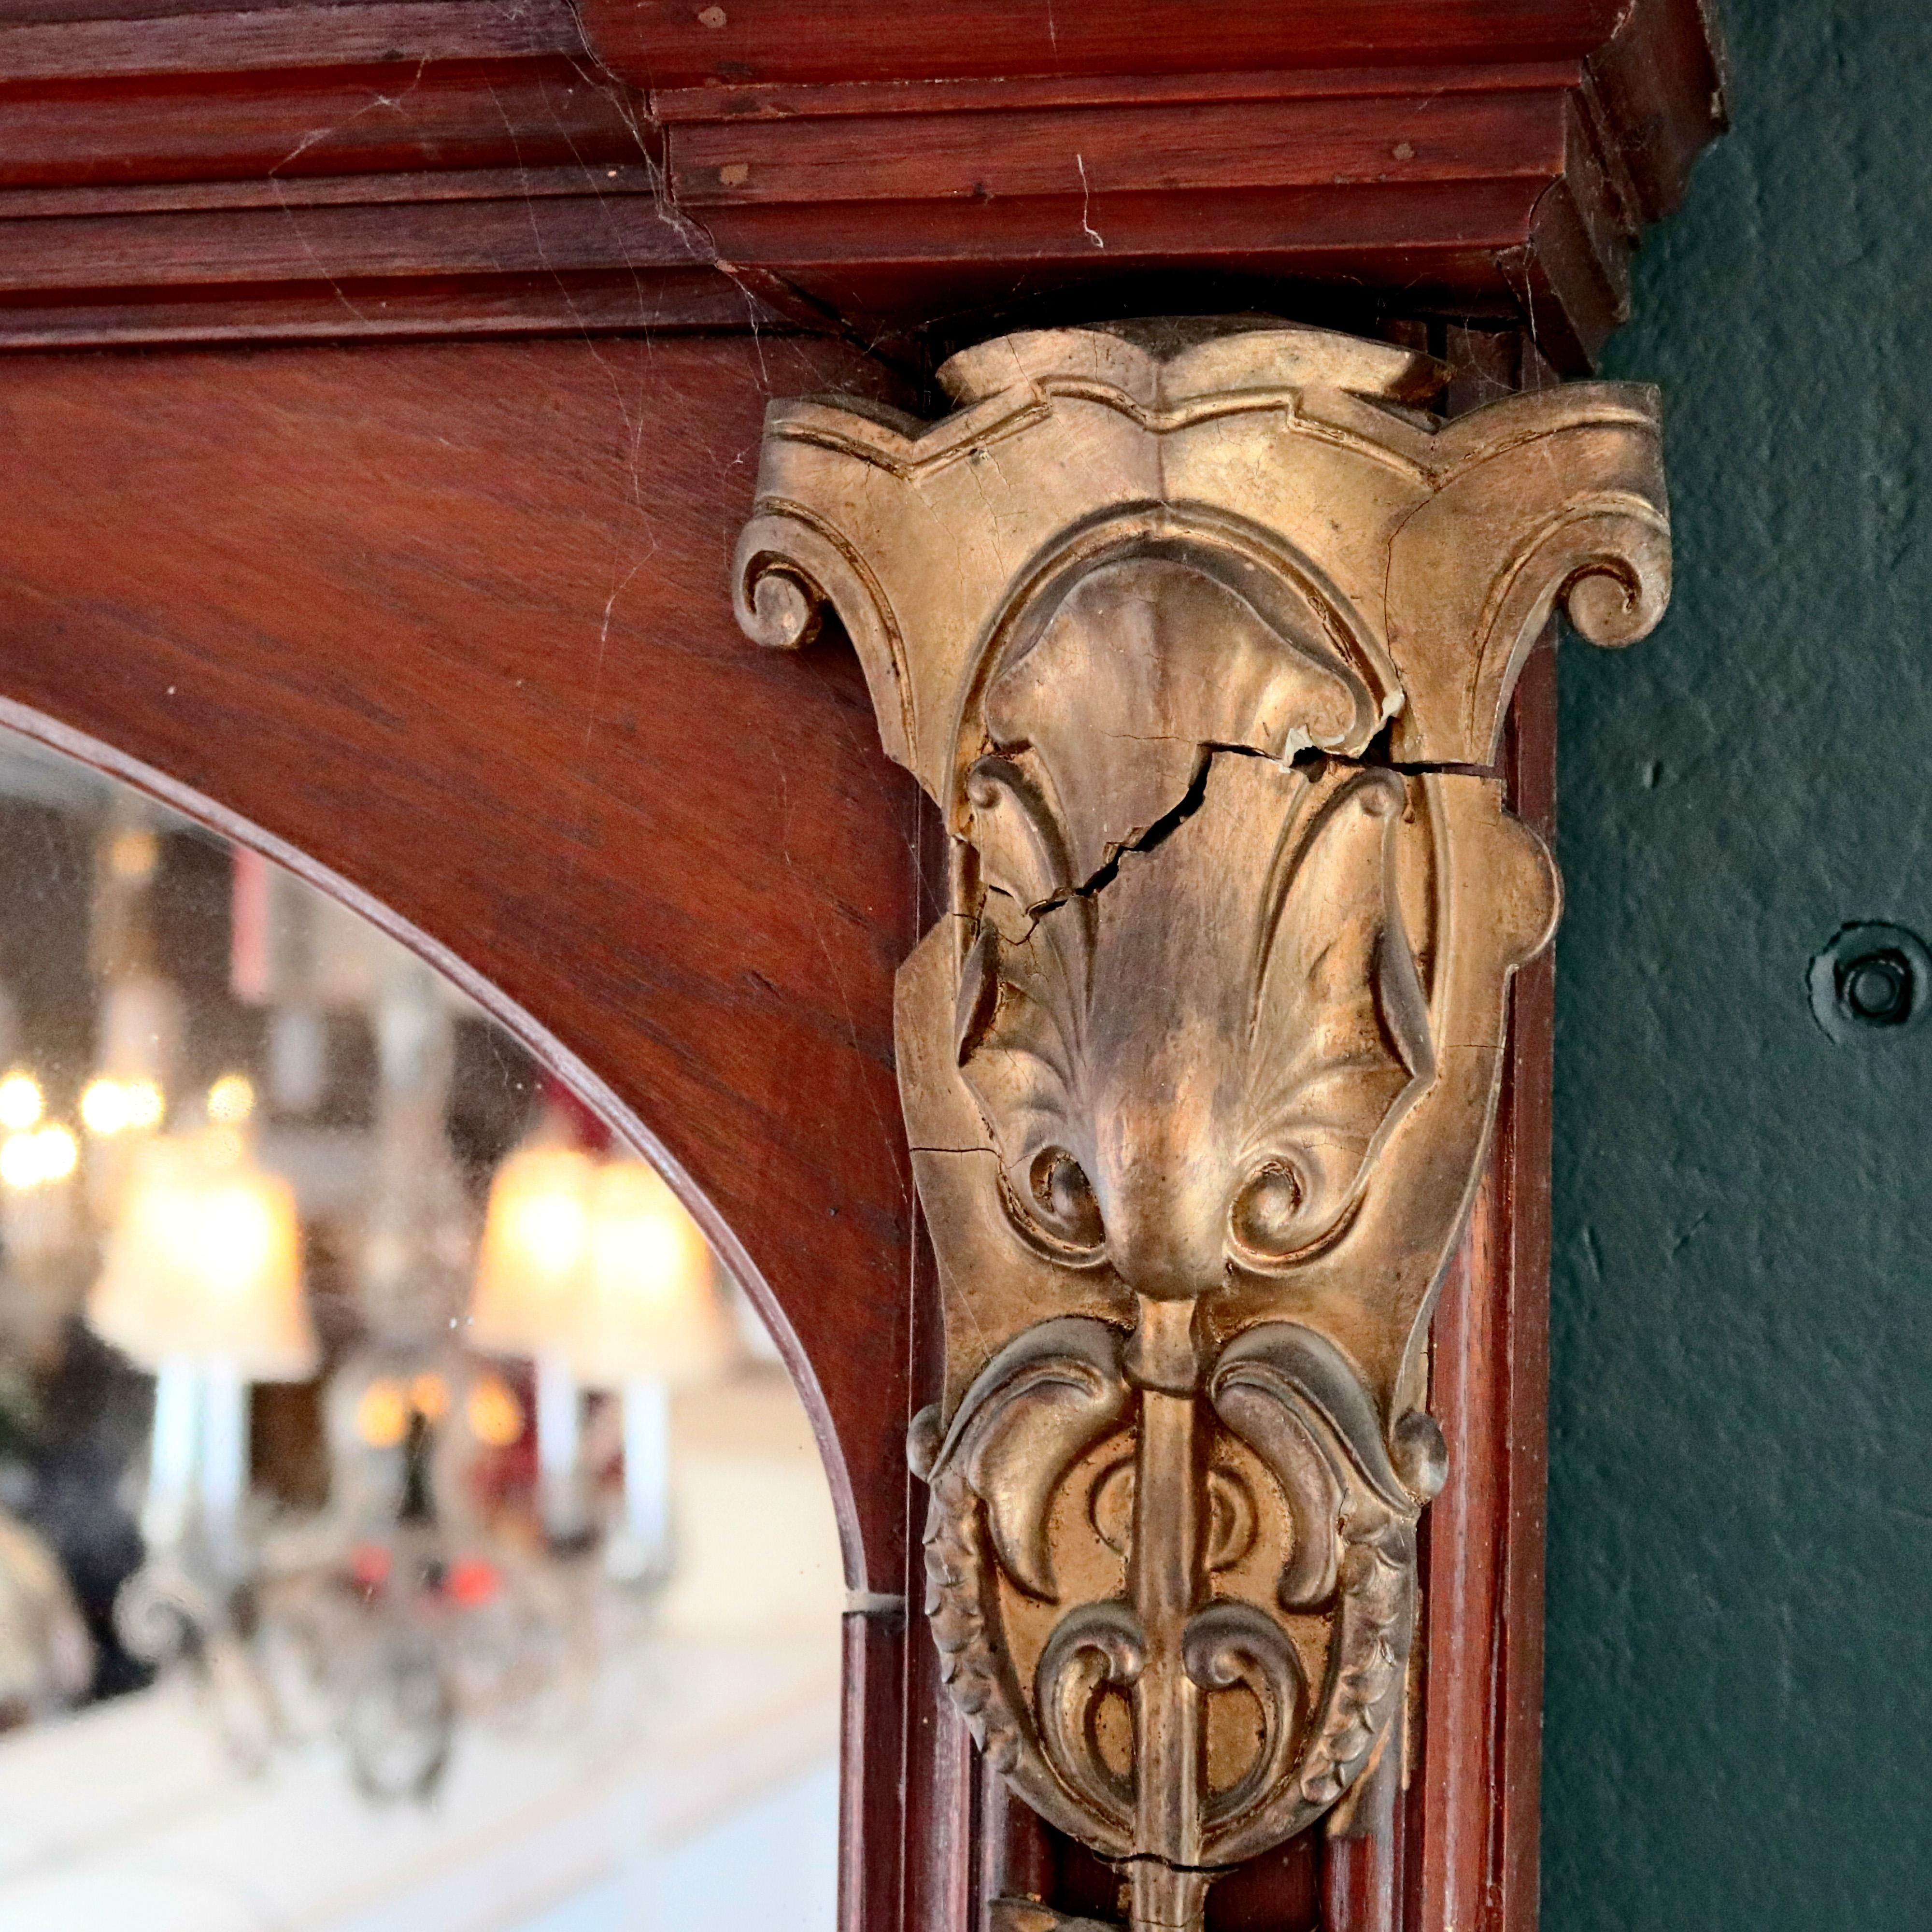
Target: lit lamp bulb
pixel 31 1155
pixel 201 1285
pixel 231 1100
pixel 530 1274
pixel 110 1107
pixel 21 1102
pixel 649 1322
pixel 33 1158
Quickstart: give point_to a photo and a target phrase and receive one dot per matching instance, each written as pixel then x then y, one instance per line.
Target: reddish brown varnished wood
pixel 306 170
pixel 872 1788
pixel 559 236
pixel 1362 1873
pixel 1474 1812
pixel 1650 65
pixel 461 115
pixel 1222 132
pixel 1438 182
pixel 1015 1850
pixel 468 602
pixel 79 41
pixel 878 170
pixel 1475 160
pixel 667 44
pixel 441 307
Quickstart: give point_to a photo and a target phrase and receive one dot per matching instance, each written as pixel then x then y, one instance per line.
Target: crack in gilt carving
pixel 1201 637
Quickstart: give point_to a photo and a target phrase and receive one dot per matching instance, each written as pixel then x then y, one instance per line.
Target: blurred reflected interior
pixel 404 1520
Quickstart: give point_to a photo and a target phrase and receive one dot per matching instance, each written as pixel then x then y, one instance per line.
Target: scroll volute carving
pixel 1201 637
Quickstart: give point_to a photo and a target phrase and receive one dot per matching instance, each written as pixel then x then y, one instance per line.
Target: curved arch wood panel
pixel 451 622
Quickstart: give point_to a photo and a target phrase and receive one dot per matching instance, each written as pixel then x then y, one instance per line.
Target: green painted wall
pixel 1739 1710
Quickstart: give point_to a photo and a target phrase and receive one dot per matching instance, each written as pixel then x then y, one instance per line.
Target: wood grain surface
pixel 453 621
pixel 671 44
pixel 1469 1837
pixel 422 168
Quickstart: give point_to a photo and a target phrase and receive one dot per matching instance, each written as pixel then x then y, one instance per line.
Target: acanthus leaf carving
pixel 1200 636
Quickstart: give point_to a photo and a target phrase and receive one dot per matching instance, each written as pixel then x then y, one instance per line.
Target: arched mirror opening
pixel 403 1521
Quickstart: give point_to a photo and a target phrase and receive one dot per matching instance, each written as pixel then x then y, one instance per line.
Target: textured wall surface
pixel 1739 1726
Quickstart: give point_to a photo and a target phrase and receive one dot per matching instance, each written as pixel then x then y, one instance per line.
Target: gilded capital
pixel 1201 637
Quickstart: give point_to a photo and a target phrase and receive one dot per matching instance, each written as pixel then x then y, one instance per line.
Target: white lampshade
pixel 536 1242
pixel 649 1310
pixel 204 1261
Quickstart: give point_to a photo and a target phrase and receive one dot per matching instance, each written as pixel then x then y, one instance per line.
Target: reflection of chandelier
pixel 204 1260
pixel 201 1285
pixel 442 1595
pixel 596 1273
pixel 456 1572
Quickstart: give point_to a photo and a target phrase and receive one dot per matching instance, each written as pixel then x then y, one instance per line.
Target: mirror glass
pixel 404 1520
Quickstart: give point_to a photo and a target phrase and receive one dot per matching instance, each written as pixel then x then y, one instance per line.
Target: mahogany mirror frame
pixel 404 559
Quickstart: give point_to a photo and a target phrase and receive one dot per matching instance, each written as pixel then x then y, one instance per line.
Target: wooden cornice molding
pixel 1454 190
pixel 301 90
pixel 1470 158
pixel 425 167
pixel 454 166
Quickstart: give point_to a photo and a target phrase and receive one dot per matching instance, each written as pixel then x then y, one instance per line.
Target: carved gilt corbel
pixel 1201 637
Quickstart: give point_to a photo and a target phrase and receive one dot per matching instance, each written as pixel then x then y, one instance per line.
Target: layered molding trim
pixel 171 170
pixel 1201 637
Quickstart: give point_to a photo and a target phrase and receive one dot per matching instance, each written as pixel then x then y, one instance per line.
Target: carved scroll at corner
pixel 1548 501
pixel 1200 641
